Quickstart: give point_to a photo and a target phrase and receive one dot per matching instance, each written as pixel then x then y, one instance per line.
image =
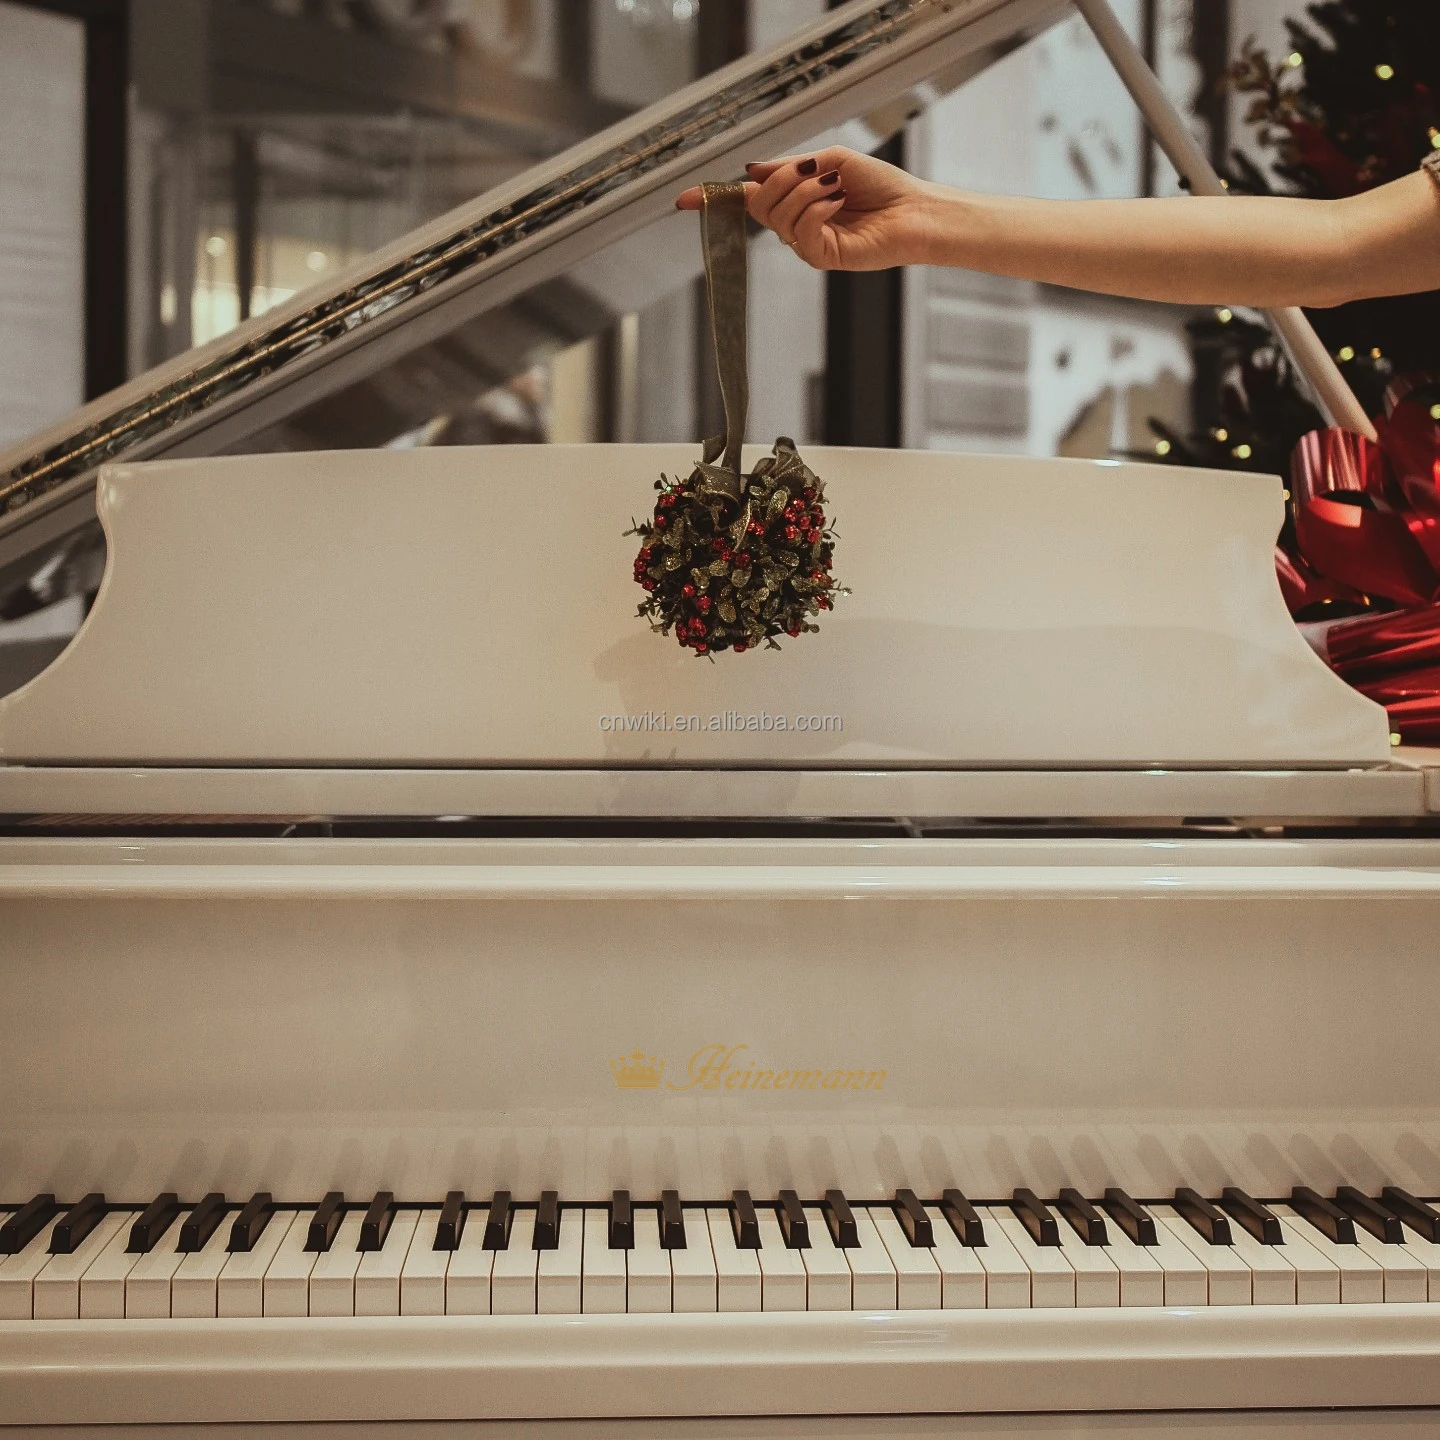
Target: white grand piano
pixel 442 1008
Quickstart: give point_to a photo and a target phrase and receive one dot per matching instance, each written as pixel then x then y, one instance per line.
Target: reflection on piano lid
pixel 881 59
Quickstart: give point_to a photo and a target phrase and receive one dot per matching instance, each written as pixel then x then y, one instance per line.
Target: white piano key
pixel 1272 1276
pixel 1007 1276
pixel 828 1281
pixel 422 1277
pixel 872 1275
pixel 737 1271
pixel 1227 1275
pixel 1428 1252
pixel 602 1279
pixel 468 1276
pixel 558 1274
pixel 1362 1281
pixel 287 1281
pixel 1406 1278
pixel 1187 1281
pixel 512 1280
pixel 962 1276
pixel 57 1286
pixel 692 1270
pixel 1097 1280
pixel 782 1270
pixel 194 1292
pixel 917 1276
pixel 1142 1279
pixel 102 1286
pixel 648 1280
pixel 377 1281
pixel 240 1290
pixel 1052 1277
pixel 1317 1278
pixel 332 1280
pixel 17 1276
pixel 147 1286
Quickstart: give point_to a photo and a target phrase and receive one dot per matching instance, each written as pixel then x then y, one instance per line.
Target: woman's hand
pixel 838 210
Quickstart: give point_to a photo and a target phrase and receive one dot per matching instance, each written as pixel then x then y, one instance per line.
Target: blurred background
pixel 169 168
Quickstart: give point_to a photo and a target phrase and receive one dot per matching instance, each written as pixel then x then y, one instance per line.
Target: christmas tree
pixel 1353 104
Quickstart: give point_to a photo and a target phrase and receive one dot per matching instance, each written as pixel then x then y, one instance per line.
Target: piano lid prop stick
pixel 1313 360
pixel 729 561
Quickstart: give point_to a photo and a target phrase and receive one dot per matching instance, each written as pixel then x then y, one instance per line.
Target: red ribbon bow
pixel 1367 534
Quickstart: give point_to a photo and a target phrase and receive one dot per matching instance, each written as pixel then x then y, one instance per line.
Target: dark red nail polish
pixel 808 167
pixel 836 195
pixel 830 177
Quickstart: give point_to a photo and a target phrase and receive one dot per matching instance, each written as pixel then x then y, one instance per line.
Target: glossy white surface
pixel 1404 789
pixel 297 1016
pixel 1070 613
pixel 635 1365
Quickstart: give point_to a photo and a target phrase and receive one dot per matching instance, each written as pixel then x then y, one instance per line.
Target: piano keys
pixel 885 1269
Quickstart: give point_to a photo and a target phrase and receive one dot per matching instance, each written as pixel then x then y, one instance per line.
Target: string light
pixel 1242 452
pixel 1162 447
pixel 1346 354
pixel 1385 72
pixel 1221 435
pixel 1434 138
pixel 1435 412
pixel 1224 316
pixel 1295 60
pixel 1375 354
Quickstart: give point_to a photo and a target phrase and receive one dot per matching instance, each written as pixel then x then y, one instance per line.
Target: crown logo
pixel 636 1072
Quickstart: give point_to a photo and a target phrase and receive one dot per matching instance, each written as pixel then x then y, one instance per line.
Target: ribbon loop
pixel 722 236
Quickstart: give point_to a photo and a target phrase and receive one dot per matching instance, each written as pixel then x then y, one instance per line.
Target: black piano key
pixel 1380 1222
pixel 1086 1221
pixel 497 1222
pixel 1202 1216
pixel 1130 1216
pixel 622 1221
pixel 743 1220
pixel 672 1221
pixel 26 1223
pixel 1328 1219
pixel 964 1219
pixel 376 1224
pixel 840 1219
pixel 1250 1213
pixel 76 1223
pixel 325 1222
pixel 451 1224
pixel 157 1217
pixel 547 1221
pixel 793 1224
pixel 1420 1217
pixel 913 1220
pixel 200 1223
pixel 1032 1213
pixel 250 1223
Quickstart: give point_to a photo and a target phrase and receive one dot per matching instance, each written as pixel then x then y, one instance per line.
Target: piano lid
pixel 872 58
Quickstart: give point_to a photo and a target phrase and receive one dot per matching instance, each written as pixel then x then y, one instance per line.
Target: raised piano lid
pixel 870 64
pixel 475 608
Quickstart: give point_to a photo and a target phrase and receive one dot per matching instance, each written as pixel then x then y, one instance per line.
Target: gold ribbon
pixel 722 237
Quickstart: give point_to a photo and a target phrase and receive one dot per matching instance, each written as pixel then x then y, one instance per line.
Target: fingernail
pixel 836 195
pixel 751 166
pixel 830 177
pixel 808 167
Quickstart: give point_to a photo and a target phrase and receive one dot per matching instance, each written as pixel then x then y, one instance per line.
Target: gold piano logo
pixel 636 1072
pixel 725 1067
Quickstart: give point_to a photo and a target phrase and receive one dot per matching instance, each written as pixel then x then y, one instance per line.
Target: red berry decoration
pixel 714 596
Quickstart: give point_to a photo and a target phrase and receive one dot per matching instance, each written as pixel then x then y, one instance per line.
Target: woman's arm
pixel 843 211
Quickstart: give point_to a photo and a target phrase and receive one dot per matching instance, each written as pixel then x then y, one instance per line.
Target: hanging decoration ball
pixel 730 567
